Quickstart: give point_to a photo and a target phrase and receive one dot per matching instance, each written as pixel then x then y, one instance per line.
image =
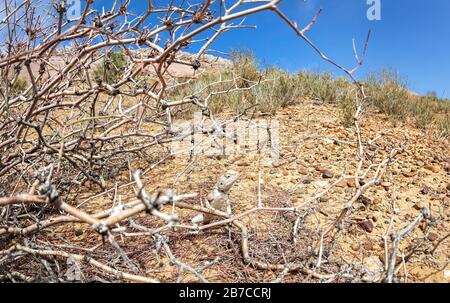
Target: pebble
pixel 324 199
pixel 303 170
pixel 426 190
pixel 374 269
pixel 343 183
pixel 355 246
pixel 310 145
pixel 386 185
pixel 351 183
pixel 433 167
pixel 306 181
pixel 366 225
pixel 419 205
pixel 327 174
pixel 274 171
pixel 433 236
pixel 321 183
pixel 368 245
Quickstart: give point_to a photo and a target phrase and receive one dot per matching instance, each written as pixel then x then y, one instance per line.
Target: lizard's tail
pixel 197 219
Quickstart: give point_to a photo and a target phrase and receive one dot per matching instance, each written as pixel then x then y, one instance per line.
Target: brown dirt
pixel 419 177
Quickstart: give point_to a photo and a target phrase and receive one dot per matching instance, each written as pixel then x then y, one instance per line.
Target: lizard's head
pixel 227 180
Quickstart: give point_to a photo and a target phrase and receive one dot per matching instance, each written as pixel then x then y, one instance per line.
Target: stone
pixel 351 183
pixel 365 201
pixel 306 181
pixel 320 169
pixel 324 199
pixel 310 145
pixel 376 201
pixel 366 225
pixel 386 185
pixel 368 245
pixel 374 269
pixel 355 246
pixel 435 168
pixel 327 174
pixel 343 183
pixel 426 190
pixel 302 170
pixel 432 236
pixel 448 186
pixel 321 183
pixel 419 205
pixel 274 171
pixel 420 163
pixel 408 174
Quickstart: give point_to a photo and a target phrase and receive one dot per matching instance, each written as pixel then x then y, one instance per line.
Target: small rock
pixel 383 259
pixel 274 171
pixel 386 185
pixel 343 183
pixel 324 199
pixel 432 236
pixel 310 145
pixel 327 174
pixel 351 183
pixel 409 174
pixel 420 163
pixel 302 170
pixel 285 173
pixel 376 201
pixel 366 225
pixel 426 190
pixel 78 232
pixel 320 169
pixel 306 181
pixel 321 183
pixel 374 269
pixel 433 167
pixel 365 201
pixel 419 205
pixel 448 187
pixel 355 246
pixel 368 245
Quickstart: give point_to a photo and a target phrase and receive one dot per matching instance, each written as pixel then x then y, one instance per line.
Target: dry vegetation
pixel 88 184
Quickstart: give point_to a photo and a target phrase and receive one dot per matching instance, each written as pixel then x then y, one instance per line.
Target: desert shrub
pixel 111 67
pixel 347 107
pixel 423 109
pixel 244 65
pixel 388 93
pixel 19 86
pixel 443 124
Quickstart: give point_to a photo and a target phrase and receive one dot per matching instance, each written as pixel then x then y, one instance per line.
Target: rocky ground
pixel 315 150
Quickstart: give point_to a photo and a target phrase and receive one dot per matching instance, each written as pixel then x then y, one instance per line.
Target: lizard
pixel 218 198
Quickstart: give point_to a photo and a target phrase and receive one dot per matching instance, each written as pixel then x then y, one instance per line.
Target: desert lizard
pixel 219 198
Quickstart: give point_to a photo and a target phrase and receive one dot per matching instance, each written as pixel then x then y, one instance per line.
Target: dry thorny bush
pixel 67 130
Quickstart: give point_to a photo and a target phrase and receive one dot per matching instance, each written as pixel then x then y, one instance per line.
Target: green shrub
pixel 111 68
pixel 19 86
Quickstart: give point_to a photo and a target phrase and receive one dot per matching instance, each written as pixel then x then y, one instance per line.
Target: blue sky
pixel 412 37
